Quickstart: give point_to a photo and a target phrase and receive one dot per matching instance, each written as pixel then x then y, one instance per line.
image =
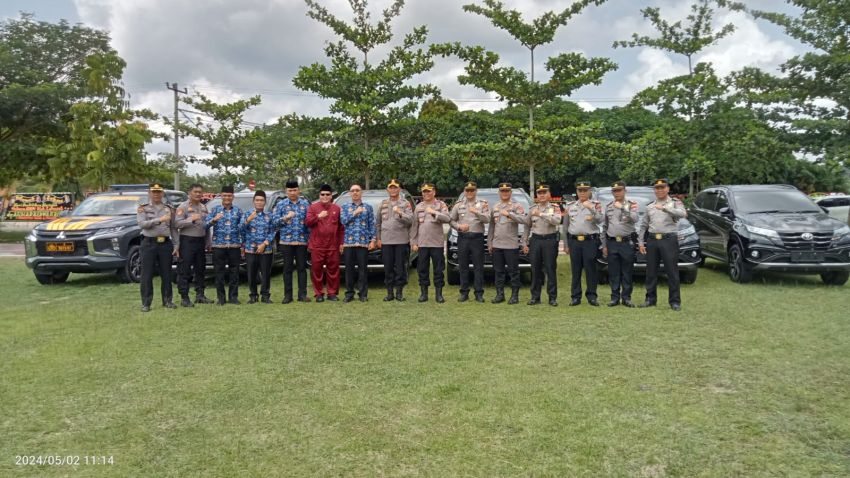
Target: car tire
pixel 452 276
pixel 739 271
pixel 52 278
pixel 132 270
pixel 688 277
pixel 835 277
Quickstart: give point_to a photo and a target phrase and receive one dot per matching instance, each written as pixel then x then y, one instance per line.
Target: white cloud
pixel 747 46
pixel 654 66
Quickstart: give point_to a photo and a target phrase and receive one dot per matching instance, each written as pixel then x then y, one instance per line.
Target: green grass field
pixel 748 380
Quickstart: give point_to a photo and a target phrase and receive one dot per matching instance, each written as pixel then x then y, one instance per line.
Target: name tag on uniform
pixel 580 238
pixel 659 236
pixel 160 239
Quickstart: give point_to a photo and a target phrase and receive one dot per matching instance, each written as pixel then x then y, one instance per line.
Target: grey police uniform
pixel 503 238
pixel 194 239
pixel 581 228
pixel 542 233
pixel 428 235
pixel 620 238
pixel 393 230
pixel 159 241
pixel 659 233
pixel 470 244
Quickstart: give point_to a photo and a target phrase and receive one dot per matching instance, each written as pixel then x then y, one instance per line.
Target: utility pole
pixel 173 87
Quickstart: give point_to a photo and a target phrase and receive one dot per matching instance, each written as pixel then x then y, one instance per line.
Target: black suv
pixel 689 243
pixel 491 195
pixel 771 228
pixel 101 234
pixel 373 197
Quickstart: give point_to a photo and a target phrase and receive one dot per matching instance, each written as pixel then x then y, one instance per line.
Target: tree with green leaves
pixel 370 96
pixel 687 97
pixel 42 73
pixel 568 72
pixel 221 130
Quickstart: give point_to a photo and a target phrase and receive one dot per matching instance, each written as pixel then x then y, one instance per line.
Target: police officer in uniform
pixel 468 217
pixel 194 242
pixel 618 244
pixel 658 239
pixel 581 227
pixel 393 223
pixel 159 243
pixel 224 222
pixel 429 240
pixel 542 226
pixel 504 242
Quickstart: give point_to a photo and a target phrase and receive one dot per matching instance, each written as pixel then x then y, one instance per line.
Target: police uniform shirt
pixel 664 220
pixel 582 221
pixel 620 221
pixel 504 230
pixel 476 220
pixel 394 227
pixel 427 227
pixel 188 226
pixel 148 216
pixel 546 223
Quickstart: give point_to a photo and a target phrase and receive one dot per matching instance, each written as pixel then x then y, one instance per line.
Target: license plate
pixel 807 257
pixel 60 247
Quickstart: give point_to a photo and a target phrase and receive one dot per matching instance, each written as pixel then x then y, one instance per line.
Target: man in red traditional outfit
pixel 326 236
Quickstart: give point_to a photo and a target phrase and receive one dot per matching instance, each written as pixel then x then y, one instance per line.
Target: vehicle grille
pixel 820 241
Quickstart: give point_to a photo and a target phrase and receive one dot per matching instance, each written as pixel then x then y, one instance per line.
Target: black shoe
pixel 575 302
pixel 333 298
pixel 399 294
pixel 463 297
pixel 479 297
pixel 438 295
pixel 235 301
pixel 553 302
pixel 593 302
pixel 363 299
pixel 423 296
pixel 500 297
pixel 320 298
pixel 266 300
pixel 390 295
pixel 676 306
pixel 252 300
pixel 514 296
pixel 628 303
pixel 287 300
pixel 202 300
pixel 169 305
pixel 304 299
pixel 533 302
pixel 614 303
pixel 348 299
pixel 647 304
pixel 146 308
pixel 185 302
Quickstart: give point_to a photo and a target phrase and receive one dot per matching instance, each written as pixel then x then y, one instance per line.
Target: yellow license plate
pixel 60 247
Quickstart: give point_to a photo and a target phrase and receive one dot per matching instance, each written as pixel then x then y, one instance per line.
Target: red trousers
pixel 325 270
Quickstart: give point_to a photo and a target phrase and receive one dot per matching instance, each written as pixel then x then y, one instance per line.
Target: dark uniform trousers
pixel 356 273
pixel 192 265
pixel 427 256
pixel 226 265
pixel 470 245
pixel 395 257
pixel 156 256
pixel 621 264
pixel 667 251
pixel 294 256
pixel 583 257
pixel 506 262
pixel 259 271
pixel 543 254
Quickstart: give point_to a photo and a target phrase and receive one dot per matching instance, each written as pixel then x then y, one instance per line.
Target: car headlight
pixel 842 231
pixel 110 230
pixel 762 231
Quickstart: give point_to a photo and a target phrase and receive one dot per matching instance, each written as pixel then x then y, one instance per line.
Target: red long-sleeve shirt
pixel 328 232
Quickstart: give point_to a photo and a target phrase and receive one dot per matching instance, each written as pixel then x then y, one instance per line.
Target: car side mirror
pixel 726 212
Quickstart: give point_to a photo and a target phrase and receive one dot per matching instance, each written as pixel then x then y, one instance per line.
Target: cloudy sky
pixel 230 49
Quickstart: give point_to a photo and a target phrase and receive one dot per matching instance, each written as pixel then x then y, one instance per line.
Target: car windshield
pixel 773 201
pixel 110 205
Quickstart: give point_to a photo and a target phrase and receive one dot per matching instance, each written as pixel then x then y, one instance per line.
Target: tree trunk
pixel 367 180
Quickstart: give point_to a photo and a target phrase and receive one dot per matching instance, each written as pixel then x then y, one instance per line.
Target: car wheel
pixel 738 270
pixel 132 270
pixel 52 278
pixel 688 277
pixel 835 277
pixel 452 276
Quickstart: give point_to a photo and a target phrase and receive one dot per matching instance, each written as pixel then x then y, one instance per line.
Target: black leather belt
pixel 554 235
pixel 584 237
pixel 661 235
pixel 621 238
pixel 158 239
pixel 470 235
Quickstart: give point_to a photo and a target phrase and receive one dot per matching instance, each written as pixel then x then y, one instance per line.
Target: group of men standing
pixel 330 233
